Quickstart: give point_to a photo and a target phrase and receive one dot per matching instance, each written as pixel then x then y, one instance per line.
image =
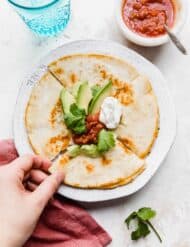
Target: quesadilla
pixel 63 111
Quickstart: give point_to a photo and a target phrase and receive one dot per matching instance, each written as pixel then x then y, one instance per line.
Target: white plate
pixel 167 115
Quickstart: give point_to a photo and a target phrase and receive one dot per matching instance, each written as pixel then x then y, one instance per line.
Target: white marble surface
pixel 169 190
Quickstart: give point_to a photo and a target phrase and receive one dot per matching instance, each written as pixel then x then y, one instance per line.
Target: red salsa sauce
pixel 147 17
pixel 93 126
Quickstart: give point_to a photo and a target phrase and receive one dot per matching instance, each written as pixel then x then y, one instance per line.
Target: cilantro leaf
pixel 146 213
pixel 95 89
pixel 80 128
pixel 76 111
pixel 141 231
pixel 75 119
pixel 132 216
pixel 142 216
pixel 106 141
pixel 76 124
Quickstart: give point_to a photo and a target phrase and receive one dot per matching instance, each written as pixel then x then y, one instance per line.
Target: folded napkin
pixel 62 223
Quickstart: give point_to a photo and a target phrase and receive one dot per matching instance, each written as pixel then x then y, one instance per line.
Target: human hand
pixel 25 189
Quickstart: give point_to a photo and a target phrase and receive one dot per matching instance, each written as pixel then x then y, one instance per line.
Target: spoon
pixel 175 40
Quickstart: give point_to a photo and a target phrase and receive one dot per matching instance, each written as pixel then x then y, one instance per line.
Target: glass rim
pixel 32 7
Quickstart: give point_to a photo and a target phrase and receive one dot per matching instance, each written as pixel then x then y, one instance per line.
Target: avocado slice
pixel 67 100
pixel 90 150
pixel 73 151
pixel 84 96
pixel 98 99
pixel 76 88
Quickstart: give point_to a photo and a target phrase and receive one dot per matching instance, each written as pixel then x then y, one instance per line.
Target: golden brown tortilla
pixel 136 134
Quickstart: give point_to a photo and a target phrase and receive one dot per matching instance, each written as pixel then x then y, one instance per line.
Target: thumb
pixel 47 188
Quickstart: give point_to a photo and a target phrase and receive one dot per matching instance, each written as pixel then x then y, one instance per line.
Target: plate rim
pixel 66 190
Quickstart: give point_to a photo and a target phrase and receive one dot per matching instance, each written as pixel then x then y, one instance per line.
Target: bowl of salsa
pixel 143 21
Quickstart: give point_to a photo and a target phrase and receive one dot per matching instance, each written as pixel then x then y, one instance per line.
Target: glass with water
pixel 44 17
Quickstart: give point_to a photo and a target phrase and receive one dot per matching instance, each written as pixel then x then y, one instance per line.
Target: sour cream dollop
pixel 110 112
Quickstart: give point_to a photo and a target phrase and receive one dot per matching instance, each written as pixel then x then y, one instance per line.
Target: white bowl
pixel 182 7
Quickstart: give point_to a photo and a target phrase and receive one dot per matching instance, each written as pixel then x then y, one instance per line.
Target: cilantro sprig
pixel 142 216
pixel 75 119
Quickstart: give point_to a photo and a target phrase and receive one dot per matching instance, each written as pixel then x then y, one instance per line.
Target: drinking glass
pixel 44 17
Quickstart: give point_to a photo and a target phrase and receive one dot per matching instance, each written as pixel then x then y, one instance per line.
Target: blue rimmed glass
pixel 44 17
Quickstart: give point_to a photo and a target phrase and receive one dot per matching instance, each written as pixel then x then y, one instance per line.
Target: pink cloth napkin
pixel 62 223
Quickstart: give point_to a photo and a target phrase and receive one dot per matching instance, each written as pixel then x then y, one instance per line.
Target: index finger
pixel 27 162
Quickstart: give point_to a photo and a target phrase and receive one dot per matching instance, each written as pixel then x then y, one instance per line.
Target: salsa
pixel 93 126
pixel 147 17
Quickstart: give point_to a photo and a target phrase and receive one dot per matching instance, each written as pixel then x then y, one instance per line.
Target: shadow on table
pixel 96 205
pixel 111 203
pixel 151 53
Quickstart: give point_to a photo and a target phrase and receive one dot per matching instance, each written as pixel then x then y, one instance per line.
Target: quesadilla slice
pixel 94 68
pixel 140 119
pixel 46 130
pixel 117 167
